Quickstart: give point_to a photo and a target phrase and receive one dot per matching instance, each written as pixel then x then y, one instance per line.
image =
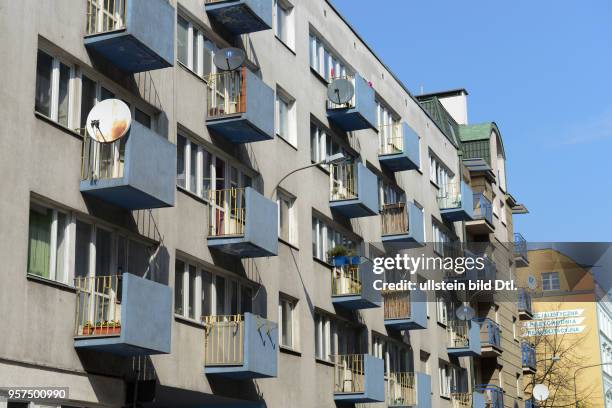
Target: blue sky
pixel 542 70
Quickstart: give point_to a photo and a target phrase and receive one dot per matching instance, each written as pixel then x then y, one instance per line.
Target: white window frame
pixel 324 61
pixel 290 200
pixel 55 83
pixel 326 336
pixel 441 310
pixel 444 378
pixel 326 237
pixel 547 280
pixel 293 319
pixel 284 10
pixel 284 98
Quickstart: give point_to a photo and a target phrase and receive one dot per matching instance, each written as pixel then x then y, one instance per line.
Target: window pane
pixel 192 287
pixel 179 268
pixel 181 143
pixel 88 98
pixel 138 261
pixel 220 292
pixel 106 94
pixel 63 102
pixel 287 337
pixel 39 241
pixel 206 293
pixel 181 40
pixel 208 56
pixel 83 238
pixel 62 244
pixel 194 50
pixel 103 253
pixel 193 187
pixel 42 99
pixel 206 171
pixel 219 174
pixel 233 298
pixel 246 302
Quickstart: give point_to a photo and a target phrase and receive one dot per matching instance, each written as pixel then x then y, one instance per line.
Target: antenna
pixel 229 59
pixel 340 91
pixel 532 282
pixel 108 121
pixel 540 392
pixel 465 313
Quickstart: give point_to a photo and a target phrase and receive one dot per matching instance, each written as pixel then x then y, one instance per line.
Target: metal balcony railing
pixel 227 210
pixel 458 334
pixel 98 306
pixel 391 139
pixel 224 340
pixel 493 395
pixel 528 355
pixel 102 160
pixel 104 16
pixel 483 209
pixel 394 219
pixel 530 403
pixel 350 104
pixel 490 333
pixel 524 301
pixel 401 390
pixel 349 373
pixel 449 196
pixel 396 304
pixel 343 181
pixel 226 93
pixel 461 400
pixel 520 246
pixel 346 280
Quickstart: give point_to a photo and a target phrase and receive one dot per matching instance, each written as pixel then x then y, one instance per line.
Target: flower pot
pixel 354 260
pixel 107 331
pixel 340 260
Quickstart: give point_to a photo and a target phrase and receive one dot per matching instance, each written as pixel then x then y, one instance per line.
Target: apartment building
pixel 179 266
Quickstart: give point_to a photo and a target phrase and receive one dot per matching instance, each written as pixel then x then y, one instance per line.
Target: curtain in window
pixel 39 243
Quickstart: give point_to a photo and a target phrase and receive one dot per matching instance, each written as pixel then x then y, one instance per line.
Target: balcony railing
pixel 528 356
pixel 102 160
pixel 346 280
pixel 490 333
pixel 226 93
pixel 530 403
pixel 450 196
pixel 98 306
pixel 461 400
pixel 391 139
pixel 343 182
pixel 394 218
pixel 104 16
pixel 224 340
pixel 458 334
pixel 227 212
pixel 401 390
pixel 397 304
pixel 524 303
pixel 350 104
pixel 483 209
pixel 455 201
pixel 349 373
pixel 520 247
pixel 493 395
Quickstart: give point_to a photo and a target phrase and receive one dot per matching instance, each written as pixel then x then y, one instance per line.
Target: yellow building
pixel 564 325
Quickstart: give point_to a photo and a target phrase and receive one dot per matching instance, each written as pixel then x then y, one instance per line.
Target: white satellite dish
pixel 465 313
pixel 540 392
pixel 229 59
pixel 340 91
pixel 108 121
pixel 532 282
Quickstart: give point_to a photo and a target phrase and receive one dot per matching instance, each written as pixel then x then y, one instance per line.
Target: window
pixel 442 310
pixel 439 174
pixel 325 337
pixel 283 28
pixel 287 322
pixel 192 156
pixel 194 50
pixel 388 134
pixel 502 211
pixel 514 333
pixel 550 281
pixel 441 239
pixel 323 144
pixel 285 117
pixel 324 61
pixel 325 237
pixel 198 292
pixel 396 355
pixel 444 377
pixel 451 379
pixel 54 80
pixel 48 243
pixel 287 225
pixel 390 194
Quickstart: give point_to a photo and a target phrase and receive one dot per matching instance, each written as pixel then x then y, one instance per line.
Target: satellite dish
pixel 465 313
pixel 340 91
pixel 108 121
pixel 532 282
pixel 540 392
pixel 229 59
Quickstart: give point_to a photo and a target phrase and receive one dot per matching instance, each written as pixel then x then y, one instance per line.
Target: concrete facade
pixel 40 160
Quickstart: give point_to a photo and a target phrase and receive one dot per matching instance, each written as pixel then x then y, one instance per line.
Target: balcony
pixel 241 16
pixel 399 147
pixel 135 172
pixel 123 314
pixel 467 400
pixel 405 310
pixel 409 390
pixel 240 106
pixel 133 35
pixel 490 338
pixel 463 339
pixel 531 403
pixel 483 216
pixel 521 255
pixel 353 190
pixel 493 395
pixel 352 284
pixel 357 114
pixel 456 202
pixel 524 305
pixel 358 378
pixel 243 223
pixel 240 346
pixel 486 273
pixel 528 358
pixel 402 222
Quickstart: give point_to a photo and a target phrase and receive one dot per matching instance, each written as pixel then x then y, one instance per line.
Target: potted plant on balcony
pixel 341 255
pixel 108 328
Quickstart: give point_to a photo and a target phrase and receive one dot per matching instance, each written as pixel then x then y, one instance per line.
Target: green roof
pixel 472 133
pixel 441 117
